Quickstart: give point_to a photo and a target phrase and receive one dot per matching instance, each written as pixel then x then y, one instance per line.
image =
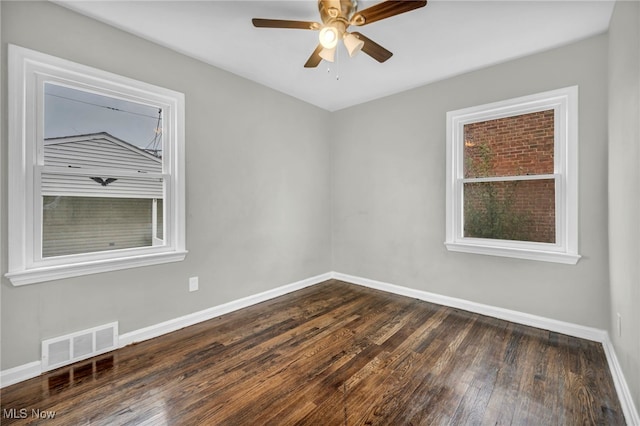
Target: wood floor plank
pixel 333 354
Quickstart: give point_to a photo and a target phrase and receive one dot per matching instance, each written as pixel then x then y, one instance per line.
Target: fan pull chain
pixel 337 64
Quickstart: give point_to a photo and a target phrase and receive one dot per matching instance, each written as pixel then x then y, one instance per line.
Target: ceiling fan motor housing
pixel 336 10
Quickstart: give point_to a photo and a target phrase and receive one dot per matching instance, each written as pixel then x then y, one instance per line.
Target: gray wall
pixel 389 191
pixel 257 190
pixel 624 187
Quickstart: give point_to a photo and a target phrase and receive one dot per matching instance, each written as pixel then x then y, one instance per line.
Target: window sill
pixel 49 273
pixel 518 253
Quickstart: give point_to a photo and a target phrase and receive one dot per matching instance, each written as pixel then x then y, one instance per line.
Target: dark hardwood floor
pixel 333 354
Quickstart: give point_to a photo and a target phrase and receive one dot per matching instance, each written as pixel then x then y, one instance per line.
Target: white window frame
pixel 28 71
pixel 564 102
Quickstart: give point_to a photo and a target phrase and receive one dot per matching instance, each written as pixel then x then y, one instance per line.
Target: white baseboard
pixel 34 369
pixel 20 373
pixel 624 394
pixel 207 314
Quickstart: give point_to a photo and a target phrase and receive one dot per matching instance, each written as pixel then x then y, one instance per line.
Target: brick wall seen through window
pixel 523 210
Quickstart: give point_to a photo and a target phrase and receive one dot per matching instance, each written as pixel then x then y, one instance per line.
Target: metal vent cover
pixel 64 350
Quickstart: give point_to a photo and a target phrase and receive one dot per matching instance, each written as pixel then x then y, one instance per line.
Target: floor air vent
pixel 80 345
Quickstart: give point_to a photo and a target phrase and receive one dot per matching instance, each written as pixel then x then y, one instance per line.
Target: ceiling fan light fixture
pixel 328 37
pixel 328 54
pixel 353 44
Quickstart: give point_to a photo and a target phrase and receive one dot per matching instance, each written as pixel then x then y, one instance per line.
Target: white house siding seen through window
pixel 82 213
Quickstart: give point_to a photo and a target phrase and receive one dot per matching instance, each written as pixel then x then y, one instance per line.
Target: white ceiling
pixel 443 39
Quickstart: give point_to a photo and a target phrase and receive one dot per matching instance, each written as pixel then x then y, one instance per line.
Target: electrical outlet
pixel 193 283
pixel 619 325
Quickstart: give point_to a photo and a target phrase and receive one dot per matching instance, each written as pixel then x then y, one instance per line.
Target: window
pixel 96 170
pixel 512 178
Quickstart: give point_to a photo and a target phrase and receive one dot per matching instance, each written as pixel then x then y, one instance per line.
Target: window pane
pixel 511 146
pixel 74 225
pixel 71 113
pixel 515 210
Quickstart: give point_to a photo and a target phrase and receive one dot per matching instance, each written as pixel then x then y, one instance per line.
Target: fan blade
pixel 373 49
pixel 281 23
pixel 314 59
pixel 384 10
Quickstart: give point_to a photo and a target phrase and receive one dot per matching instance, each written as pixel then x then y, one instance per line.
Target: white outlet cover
pixel 193 283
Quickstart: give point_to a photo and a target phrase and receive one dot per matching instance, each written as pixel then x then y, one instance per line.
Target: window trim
pixel 28 70
pixel 565 104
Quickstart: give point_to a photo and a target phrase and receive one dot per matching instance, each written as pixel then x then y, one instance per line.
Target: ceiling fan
pixel 337 16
